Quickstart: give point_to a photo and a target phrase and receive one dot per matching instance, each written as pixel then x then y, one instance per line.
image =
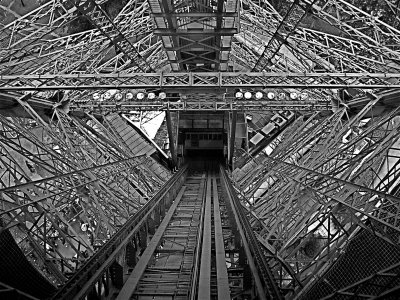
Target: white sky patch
pixel 268 150
pixel 151 127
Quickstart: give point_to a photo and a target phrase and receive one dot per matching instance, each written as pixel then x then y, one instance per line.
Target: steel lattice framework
pixel 75 171
pixel 204 80
pixel 59 175
pixel 323 179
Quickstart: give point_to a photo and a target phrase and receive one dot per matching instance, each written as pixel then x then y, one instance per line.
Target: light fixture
pixel 303 96
pixel 259 95
pixel 293 95
pixel 151 96
pixel 107 95
pixel 129 96
pixel 162 95
pixel 271 95
pixel 140 96
pixel 282 96
pixel 118 96
pixel 84 227
pixel 239 95
pixel 247 95
pixel 96 96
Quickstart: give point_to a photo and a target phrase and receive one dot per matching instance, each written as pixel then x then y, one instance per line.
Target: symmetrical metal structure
pixel 298 99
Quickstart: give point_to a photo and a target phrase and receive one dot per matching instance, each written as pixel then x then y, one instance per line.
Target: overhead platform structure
pixel 297 100
pixel 196 36
pixel 201 81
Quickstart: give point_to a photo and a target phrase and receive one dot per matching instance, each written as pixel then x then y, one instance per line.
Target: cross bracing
pixel 206 80
pixel 78 177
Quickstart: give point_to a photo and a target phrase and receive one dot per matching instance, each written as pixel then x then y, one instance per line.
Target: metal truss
pixel 67 186
pixel 68 183
pixel 43 52
pixel 132 235
pixel 248 48
pixel 90 51
pixel 338 54
pixel 196 37
pixel 249 45
pixel 251 243
pixel 381 285
pixel 367 44
pixel 9 291
pixel 229 105
pixel 21 37
pixel 287 26
pixel 326 177
pixel 203 80
pixel 260 15
pixel 360 26
pixel 134 13
pixel 361 200
pixel 108 28
pixel 315 49
pixel 344 54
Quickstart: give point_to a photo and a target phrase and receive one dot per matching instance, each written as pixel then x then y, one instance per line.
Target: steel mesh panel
pixel 374 287
pixel 365 255
pixel 17 272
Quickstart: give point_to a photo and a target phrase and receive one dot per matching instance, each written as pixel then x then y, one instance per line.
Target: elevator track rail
pixel 97 268
pixel 165 269
pixel 189 255
pixel 192 240
pixel 264 279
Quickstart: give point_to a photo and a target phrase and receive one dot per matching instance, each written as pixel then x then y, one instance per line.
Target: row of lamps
pixel 271 95
pixel 128 96
pixel 238 95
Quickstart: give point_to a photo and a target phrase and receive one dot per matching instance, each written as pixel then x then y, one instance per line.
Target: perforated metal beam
pixel 200 80
pixel 229 105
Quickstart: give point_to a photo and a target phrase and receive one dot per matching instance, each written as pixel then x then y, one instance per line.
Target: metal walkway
pixel 194 253
pixel 191 240
pixel 167 262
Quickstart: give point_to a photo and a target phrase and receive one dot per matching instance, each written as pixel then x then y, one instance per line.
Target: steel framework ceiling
pixel 74 170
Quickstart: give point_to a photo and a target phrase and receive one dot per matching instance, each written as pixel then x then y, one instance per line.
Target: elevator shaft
pixel 199 250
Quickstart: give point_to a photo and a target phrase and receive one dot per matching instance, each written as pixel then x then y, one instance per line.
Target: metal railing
pixel 266 285
pixel 85 278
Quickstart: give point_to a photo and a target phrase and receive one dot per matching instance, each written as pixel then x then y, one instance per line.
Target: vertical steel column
pixel 204 292
pixel 232 138
pixel 222 273
pixel 171 138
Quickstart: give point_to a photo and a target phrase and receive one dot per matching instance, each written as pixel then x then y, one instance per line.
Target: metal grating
pixel 17 272
pixel 365 255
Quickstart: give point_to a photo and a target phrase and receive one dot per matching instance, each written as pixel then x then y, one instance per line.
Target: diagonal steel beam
pixel 106 26
pixel 297 11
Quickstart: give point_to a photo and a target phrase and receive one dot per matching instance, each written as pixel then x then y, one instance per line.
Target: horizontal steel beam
pixel 126 107
pixel 200 46
pixel 200 80
pixel 37 102
pixel 206 32
pixel 195 15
